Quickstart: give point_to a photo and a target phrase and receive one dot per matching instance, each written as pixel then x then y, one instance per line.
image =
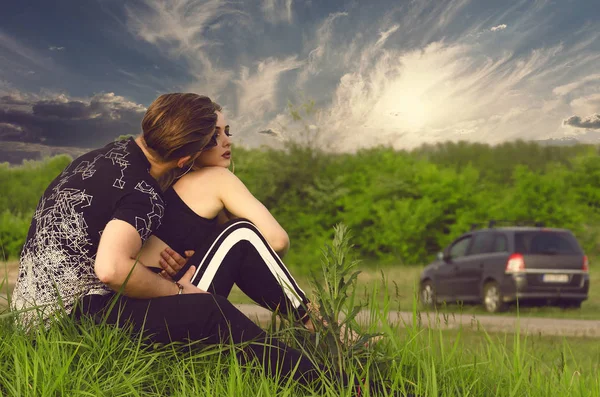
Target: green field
pixel 86 360
pixel 92 360
pixel 401 284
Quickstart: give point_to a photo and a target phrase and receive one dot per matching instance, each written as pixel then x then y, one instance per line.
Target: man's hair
pixel 179 124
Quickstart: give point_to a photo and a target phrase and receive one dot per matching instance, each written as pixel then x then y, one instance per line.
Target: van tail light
pixel 586 264
pixel 515 264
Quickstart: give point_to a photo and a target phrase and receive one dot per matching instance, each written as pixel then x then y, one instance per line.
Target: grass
pixel 90 360
pixel 96 360
pixel 100 361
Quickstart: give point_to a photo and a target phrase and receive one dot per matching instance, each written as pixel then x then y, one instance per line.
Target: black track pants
pixel 209 318
pixel 238 254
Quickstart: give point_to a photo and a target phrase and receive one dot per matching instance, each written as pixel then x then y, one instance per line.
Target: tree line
pixel 401 206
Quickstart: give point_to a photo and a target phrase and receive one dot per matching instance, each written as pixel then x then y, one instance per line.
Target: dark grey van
pixel 498 266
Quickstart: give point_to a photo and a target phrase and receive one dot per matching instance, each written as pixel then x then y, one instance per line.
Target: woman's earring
pixel 186 171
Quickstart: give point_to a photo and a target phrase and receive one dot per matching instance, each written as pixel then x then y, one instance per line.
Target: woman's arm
pixel 225 216
pixel 240 203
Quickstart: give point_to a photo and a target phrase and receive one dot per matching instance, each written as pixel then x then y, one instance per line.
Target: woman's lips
pixel 226 155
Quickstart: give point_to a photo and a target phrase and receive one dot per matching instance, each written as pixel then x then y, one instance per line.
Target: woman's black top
pixel 181 228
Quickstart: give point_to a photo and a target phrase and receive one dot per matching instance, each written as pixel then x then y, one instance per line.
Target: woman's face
pixel 219 155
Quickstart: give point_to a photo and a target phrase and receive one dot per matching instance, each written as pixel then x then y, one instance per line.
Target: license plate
pixel 556 278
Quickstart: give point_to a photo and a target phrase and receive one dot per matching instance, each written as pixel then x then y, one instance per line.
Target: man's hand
pixel 172 262
pixel 188 287
pixel 117 267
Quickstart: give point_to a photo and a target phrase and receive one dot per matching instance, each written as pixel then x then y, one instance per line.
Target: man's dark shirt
pixel 57 260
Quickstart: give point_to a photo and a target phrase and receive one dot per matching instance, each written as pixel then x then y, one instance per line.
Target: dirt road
pixel 526 325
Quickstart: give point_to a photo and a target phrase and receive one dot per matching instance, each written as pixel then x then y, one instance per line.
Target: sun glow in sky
pixel 392 72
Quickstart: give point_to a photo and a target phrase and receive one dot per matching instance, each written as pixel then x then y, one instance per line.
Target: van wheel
pixel 492 298
pixel 427 294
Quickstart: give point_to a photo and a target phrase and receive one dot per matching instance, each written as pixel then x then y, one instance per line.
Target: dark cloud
pixel 592 122
pixel 62 122
pixel 70 110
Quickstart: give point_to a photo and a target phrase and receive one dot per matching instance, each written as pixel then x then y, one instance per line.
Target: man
pixel 93 218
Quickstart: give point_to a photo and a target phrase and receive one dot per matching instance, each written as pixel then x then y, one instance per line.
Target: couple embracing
pixel 118 221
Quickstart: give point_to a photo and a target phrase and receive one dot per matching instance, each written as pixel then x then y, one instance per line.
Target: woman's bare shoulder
pixel 206 179
pixel 201 190
pixel 205 173
pixel 220 175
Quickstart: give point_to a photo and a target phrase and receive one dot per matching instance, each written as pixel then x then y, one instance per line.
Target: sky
pixel 380 72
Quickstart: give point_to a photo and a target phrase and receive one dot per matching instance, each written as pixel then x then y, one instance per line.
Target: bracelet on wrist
pixel 180 288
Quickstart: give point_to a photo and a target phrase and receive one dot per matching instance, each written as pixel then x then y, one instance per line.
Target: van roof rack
pixel 494 222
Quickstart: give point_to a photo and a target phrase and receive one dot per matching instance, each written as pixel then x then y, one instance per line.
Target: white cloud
pixel 586 104
pixel 593 79
pixel 147 81
pixel 405 79
pixel 460 90
pixel 319 47
pixel 53 48
pixel 277 10
pixel 448 91
pixel 112 104
pixel 177 29
pixel 428 18
pixel 383 36
pixel 258 89
pixel 19 54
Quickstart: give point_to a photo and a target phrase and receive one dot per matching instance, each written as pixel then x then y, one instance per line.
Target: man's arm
pixel 115 262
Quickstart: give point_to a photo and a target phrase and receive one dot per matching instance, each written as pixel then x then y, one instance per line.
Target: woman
pixel 235 238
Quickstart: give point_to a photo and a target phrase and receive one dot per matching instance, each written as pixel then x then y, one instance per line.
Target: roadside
pixel 468 322
pixel 400 286
pixel 8 276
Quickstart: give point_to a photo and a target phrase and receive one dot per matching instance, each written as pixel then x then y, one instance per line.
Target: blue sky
pixel 401 73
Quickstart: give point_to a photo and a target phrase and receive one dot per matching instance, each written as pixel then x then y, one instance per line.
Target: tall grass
pixel 98 360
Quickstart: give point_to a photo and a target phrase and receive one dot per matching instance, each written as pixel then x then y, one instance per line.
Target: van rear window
pixel 546 243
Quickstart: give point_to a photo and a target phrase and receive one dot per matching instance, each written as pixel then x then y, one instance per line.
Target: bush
pixel 402 206
pixel 13 232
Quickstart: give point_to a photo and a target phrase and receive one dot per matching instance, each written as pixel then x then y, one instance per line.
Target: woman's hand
pixel 171 262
